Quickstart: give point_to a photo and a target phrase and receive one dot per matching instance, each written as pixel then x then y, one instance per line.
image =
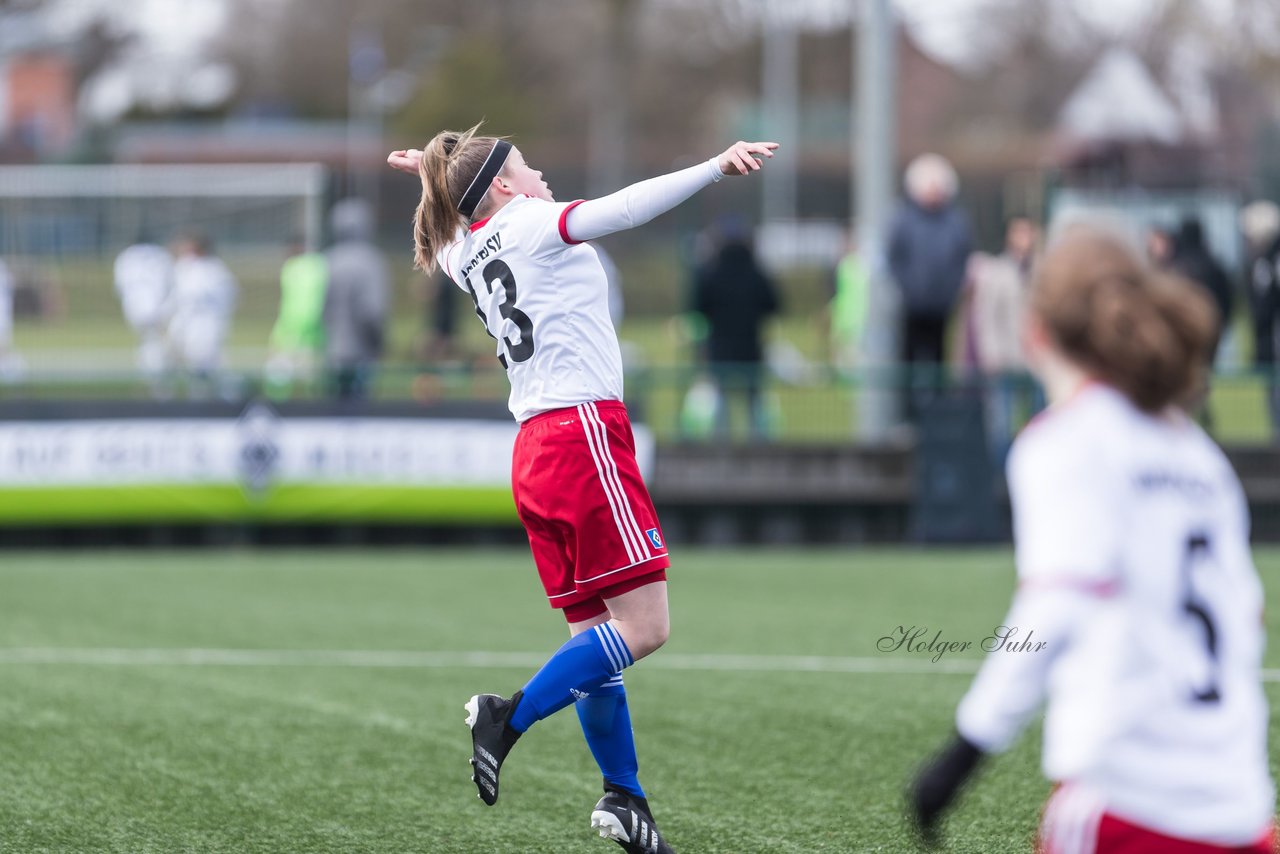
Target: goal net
pixel 61 228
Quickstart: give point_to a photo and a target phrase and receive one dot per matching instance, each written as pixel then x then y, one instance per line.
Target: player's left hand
pixel 405 160
pixel 742 158
pixel 936 785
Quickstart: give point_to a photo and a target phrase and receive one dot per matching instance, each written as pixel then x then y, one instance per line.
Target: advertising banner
pixel 260 465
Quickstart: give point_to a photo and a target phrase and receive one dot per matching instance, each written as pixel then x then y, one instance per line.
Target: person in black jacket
pixel 1193 260
pixel 736 297
pixel 1260 225
pixel 929 246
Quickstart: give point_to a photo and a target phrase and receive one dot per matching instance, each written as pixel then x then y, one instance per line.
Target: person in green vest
pixel 849 310
pixel 297 339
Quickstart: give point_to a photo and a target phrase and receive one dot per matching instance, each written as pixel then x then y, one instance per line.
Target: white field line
pixel 493 660
pixel 412 659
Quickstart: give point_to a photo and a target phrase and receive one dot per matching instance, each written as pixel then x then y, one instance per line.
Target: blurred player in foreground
pixel 489 220
pixel 1138 614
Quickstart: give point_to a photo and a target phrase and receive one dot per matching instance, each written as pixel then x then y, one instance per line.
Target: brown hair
pixel 1149 334
pixel 450 162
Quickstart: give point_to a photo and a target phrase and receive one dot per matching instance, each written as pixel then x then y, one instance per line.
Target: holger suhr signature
pixel 920 639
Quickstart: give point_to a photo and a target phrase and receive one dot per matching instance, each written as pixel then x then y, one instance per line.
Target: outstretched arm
pixel 739 159
pixel 641 202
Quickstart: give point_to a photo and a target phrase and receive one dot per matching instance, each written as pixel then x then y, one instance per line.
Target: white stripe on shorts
pixel 611 469
pixel 608 493
pixel 627 528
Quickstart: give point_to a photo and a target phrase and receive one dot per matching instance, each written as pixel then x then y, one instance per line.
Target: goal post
pixel 62 226
pixel 165 196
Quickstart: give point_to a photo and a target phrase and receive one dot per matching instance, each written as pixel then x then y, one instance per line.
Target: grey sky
pixel 169 62
pixel 181 26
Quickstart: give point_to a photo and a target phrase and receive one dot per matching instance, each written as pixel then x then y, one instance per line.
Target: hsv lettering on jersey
pixel 1186 484
pixel 490 247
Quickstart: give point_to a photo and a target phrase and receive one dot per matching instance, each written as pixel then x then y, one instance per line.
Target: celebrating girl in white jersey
pixel 490 222
pixel 1134 573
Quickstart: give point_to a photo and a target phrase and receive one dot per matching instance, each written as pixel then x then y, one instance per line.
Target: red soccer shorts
pixel 1075 824
pixel 591 524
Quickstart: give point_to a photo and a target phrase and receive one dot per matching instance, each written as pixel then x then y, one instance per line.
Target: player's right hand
pixel 405 160
pixel 744 157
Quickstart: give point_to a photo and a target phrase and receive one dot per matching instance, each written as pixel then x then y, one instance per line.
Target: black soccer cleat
pixel 627 821
pixel 491 740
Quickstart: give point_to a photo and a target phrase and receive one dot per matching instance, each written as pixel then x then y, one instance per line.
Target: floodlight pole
pixel 875 120
pixel 781 90
pixel 608 148
pixel 366 64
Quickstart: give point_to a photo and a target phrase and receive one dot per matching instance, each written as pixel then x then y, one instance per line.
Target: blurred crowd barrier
pixel 680 404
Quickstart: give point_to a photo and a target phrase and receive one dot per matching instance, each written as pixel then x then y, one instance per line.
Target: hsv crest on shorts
pixel 654 537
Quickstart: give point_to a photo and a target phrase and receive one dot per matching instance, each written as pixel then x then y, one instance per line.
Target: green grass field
pixel 312 702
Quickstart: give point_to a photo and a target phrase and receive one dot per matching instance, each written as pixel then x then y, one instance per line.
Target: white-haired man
pixel 929 246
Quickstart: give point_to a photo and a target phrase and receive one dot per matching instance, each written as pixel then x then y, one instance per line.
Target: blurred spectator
pixel 440 343
pixel 962 346
pixel 1260 225
pixel 297 339
pixel 1000 292
pixel 1159 247
pixel 736 297
pixel 849 309
pixel 11 364
pixel 143 280
pixel 1192 259
pixel 929 245
pixel 199 308
pixel 356 300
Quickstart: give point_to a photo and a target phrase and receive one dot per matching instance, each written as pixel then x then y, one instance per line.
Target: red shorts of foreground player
pixel 1073 823
pixel 591 523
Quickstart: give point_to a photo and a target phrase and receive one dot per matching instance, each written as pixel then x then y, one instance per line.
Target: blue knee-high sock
pixel 606 722
pixel 583 664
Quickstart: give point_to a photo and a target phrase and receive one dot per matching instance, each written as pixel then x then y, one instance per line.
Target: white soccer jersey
pixel 1134 569
pixel 144 277
pixel 545 299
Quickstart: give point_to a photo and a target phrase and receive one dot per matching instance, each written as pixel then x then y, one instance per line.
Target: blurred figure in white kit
pixel 200 308
pixel 12 365
pixel 143 280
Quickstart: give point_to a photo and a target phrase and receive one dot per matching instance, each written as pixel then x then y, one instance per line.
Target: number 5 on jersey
pixel 497 271
pixel 1196 556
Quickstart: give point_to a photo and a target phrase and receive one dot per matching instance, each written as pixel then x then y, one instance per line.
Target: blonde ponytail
pixel 450 161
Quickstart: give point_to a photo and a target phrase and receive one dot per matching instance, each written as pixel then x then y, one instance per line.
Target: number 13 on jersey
pixel 494 273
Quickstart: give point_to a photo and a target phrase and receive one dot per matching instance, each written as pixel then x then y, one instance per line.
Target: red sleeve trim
pixel 564 222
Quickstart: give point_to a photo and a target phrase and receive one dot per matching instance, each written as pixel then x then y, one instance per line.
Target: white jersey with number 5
pixel 544 298
pixel 1132 548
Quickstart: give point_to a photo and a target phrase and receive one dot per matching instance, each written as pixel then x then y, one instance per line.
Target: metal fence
pixel 680 404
